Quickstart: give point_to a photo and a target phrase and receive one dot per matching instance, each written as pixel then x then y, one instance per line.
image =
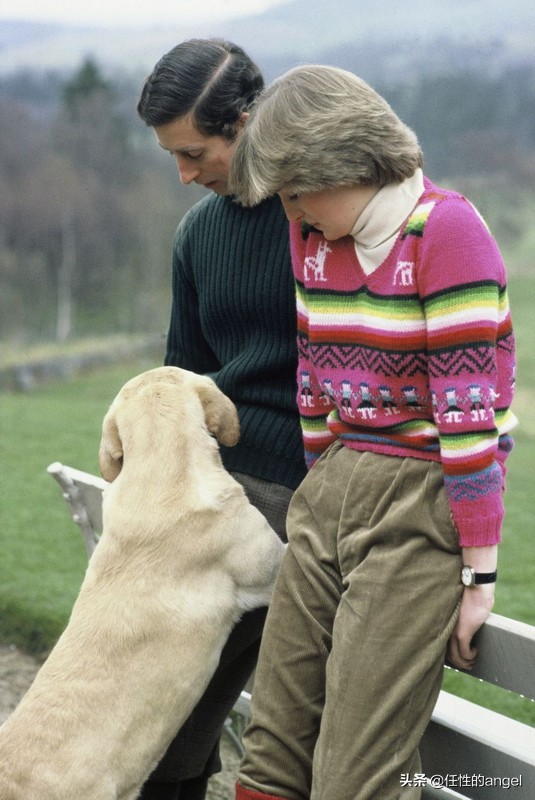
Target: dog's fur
pixel 183 554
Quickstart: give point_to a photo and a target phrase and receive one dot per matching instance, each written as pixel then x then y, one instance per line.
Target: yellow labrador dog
pixel 182 555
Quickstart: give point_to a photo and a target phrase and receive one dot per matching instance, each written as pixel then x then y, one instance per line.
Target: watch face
pixel 467 576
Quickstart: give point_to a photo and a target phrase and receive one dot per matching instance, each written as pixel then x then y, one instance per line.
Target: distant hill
pixel 375 39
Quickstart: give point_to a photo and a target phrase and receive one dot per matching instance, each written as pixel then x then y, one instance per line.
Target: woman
pixel 406 373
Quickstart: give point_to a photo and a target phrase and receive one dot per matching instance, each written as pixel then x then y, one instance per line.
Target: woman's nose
pixel 292 210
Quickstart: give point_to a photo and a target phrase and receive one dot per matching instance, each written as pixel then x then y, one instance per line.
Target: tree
pixel 88 208
pixel 87 81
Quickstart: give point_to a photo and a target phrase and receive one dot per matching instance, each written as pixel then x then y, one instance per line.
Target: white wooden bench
pixel 468 751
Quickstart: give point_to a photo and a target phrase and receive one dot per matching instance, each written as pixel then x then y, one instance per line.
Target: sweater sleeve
pixel 186 344
pixel 313 401
pixel 470 343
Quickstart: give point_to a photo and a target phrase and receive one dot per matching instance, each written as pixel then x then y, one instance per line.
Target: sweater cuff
pixel 480 531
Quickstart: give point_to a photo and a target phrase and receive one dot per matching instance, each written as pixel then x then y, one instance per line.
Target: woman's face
pixel 334 212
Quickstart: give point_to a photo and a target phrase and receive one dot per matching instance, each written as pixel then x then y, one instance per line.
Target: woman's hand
pixel 476 605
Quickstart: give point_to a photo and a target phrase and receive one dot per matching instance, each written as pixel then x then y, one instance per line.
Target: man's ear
pixel 244 116
pixel 111 451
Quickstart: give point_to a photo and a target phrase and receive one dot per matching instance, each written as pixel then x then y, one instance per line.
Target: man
pixel 233 318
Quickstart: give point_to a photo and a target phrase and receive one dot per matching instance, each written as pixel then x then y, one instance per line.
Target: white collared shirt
pixel 376 229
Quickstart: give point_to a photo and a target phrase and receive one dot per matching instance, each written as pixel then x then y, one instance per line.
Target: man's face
pixel 200 159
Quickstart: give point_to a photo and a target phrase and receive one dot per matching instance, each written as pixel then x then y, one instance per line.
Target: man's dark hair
pixel 212 79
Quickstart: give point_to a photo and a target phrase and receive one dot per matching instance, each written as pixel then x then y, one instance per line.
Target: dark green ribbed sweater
pixel 233 318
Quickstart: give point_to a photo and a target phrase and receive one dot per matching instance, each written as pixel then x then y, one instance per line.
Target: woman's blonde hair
pixel 319 127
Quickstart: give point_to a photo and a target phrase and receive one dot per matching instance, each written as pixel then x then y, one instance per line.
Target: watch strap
pixel 485 577
pixel 470 577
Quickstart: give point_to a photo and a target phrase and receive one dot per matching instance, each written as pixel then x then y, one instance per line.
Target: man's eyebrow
pixel 187 149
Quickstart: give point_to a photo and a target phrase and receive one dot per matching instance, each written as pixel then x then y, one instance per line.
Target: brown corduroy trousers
pixel 353 648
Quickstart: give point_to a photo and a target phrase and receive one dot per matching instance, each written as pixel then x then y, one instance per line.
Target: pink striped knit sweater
pixel 415 359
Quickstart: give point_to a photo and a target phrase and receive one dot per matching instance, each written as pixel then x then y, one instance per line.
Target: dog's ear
pixel 111 452
pixel 220 414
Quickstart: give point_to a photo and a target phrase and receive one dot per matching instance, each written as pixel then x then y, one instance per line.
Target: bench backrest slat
pixel 480 751
pixel 506 655
pixel 83 494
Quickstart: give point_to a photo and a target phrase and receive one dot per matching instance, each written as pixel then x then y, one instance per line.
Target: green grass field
pixel 42 558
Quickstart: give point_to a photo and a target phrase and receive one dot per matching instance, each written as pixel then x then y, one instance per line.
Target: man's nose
pixel 187 171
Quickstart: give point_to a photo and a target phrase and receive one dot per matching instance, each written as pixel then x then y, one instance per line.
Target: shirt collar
pixel 377 227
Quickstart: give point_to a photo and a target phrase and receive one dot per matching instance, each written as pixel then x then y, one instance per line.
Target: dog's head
pixel 156 389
